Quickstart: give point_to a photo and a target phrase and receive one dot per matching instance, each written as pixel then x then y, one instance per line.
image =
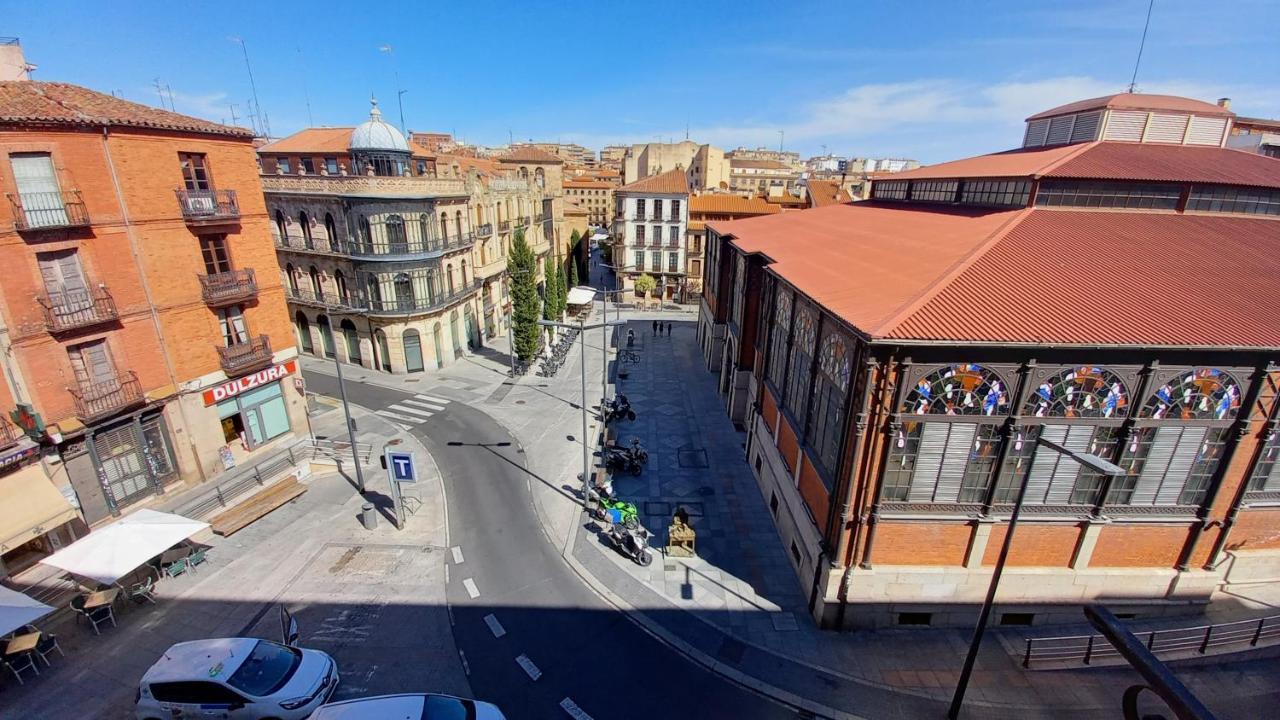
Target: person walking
pixel 668 329
pixel 655 327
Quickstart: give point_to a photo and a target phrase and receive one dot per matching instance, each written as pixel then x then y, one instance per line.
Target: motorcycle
pixel 617 459
pixel 632 542
pixel 615 511
pixel 618 407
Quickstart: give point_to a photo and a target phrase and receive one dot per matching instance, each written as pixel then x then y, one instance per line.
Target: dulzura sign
pixel 231 388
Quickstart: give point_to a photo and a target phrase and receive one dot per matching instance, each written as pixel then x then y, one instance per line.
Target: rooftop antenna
pixel 395 72
pixel 686 128
pixel 306 95
pixel 1133 83
pixel 159 91
pixel 234 120
pixel 170 91
pixel 266 128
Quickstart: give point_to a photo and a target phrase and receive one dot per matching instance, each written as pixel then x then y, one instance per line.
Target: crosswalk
pixel 411 411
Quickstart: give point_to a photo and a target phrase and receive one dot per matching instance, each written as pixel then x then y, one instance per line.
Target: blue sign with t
pixel 401 466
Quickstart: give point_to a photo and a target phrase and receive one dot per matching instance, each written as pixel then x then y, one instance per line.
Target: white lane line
pixel 419 403
pixel 466 667
pixel 573 710
pixel 472 590
pixel 457 555
pixel 429 398
pixel 495 627
pixel 411 411
pixel 529 668
pixel 402 426
pixel 396 416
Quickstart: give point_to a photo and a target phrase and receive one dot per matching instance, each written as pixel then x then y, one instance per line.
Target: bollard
pixel 368 516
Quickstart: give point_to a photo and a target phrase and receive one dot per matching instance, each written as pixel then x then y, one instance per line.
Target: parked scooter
pixel 632 542
pixel 617 408
pixel 620 459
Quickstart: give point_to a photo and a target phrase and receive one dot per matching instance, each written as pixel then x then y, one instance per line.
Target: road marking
pixel 472 590
pixel 529 668
pixel 457 555
pixel 428 398
pixel 427 405
pixel 402 426
pixel 446 574
pixel 495 627
pixel 466 667
pixel 574 711
pixel 411 411
pixel 395 416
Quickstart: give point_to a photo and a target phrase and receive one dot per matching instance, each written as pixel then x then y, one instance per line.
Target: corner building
pixel 1111 286
pixel 139 284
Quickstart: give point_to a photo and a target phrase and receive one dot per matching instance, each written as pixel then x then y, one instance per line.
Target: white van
pixel 417 706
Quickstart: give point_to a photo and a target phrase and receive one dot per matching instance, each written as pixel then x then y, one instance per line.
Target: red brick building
pixel 139 277
pixel 1111 285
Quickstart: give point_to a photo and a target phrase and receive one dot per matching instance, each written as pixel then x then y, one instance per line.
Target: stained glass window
pixel 1080 392
pixel 966 389
pixel 802 348
pixel 826 421
pixel 1199 394
pixel 778 345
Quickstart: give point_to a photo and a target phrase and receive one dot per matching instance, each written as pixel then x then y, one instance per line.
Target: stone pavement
pixel 373 599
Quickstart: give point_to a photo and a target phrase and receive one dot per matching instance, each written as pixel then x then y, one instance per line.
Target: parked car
pixel 236 679
pixel 415 706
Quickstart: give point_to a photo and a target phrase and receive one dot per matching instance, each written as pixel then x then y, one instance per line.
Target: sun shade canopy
pixel 116 550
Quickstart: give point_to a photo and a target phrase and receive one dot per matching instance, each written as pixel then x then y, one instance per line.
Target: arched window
pixel 424 229
pixel 802 349
pixel 433 286
pixel 1199 394
pixel 292 275
pixel 412 351
pixel 331 230
pixel 282 228
pixel 382 350
pixel 397 241
pixel 305 222
pixel 340 281
pixel 455 333
pixel 404 291
pixel 463 265
pixel 967 389
pixel 326 337
pixel 524 173
pixel 375 293
pixel 352 341
pixel 778 341
pixel 366 234
pixel 457 219
pixel 444 228
pixel 448 273
pixel 826 420
pixel 1087 391
pixel 316 287
pixel 304 332
pixel 438 343
pixel 540 178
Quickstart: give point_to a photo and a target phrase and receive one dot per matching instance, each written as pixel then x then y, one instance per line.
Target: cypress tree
pixel 524 298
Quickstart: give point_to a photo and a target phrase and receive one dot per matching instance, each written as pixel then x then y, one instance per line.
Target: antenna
pixel 395 73
pixel 306 95
pixel 170 91
pixel 159 91
pixel 1133 83
pixel 234 119
pixel 266 128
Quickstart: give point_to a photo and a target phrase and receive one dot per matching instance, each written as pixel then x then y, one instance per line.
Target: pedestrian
pixel 668 329
pixel 655 327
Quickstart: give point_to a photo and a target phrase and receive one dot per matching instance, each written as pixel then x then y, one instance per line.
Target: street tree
pixel 524 298
pixel 645 284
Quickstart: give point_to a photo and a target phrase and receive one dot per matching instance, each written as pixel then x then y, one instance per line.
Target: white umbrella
pixel 17 610
pixel 108 554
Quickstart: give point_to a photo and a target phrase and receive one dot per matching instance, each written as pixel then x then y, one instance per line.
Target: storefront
pixel 35 519
pixel 251 412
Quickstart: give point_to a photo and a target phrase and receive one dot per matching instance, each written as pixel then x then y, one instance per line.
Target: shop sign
pixel 29 420
pixel 232 388
pixel 17 455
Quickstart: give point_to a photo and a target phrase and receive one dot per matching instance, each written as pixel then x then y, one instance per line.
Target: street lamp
pixel 582 341
pixel 1095 463
pixel 604 336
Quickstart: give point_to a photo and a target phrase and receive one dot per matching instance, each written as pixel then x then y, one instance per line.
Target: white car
pixel 420 706
pixel 236 679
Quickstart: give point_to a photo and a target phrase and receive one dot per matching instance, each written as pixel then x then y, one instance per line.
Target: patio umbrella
pixel 110 553
pixel 17 610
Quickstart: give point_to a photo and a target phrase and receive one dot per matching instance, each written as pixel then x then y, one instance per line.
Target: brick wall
pixel 814 492
pixel 1034 545
pixel 1255 530
pixel 787 444
pixel 769 409
pixel 1139 546
pixel 924 543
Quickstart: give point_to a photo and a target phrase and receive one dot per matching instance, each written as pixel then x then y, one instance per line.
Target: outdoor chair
pixel 21 662
pixel 176 568
pixel 95 616
pixel 143 591
pixel 196 558
pixel 47 644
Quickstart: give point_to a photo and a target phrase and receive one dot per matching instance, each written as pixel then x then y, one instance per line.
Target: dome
pixel 377 134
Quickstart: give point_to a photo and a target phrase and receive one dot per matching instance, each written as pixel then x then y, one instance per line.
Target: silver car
pixel 414 706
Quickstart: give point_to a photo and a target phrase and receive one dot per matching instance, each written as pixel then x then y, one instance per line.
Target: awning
pixel 29 506
pixel 17 610
pixel 110 553
pixel 580 295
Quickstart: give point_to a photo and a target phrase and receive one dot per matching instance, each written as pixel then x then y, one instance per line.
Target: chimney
pixel 1224 103
pixel 13 66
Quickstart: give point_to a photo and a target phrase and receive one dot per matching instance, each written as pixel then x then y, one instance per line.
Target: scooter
pixel 618 407
pixel 632 542
pixel 619 459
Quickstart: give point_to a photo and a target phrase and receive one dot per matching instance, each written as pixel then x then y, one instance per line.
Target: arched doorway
pixel 293 277
pixel 454 332
pixel 412 351
pixel 326 336
pixel 305 222
pixel 382 349
pixel 473 329
pixel 438 340
pixel 352 339
pixel 304 333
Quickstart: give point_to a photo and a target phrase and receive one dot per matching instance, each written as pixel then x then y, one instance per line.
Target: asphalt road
pixel 584 649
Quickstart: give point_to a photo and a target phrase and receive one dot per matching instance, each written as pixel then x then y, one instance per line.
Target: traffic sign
pixel 401 466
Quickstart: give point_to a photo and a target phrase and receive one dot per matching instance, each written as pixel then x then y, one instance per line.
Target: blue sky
pixel 927 80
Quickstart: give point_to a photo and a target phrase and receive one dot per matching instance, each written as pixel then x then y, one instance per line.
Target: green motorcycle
pixel 613 510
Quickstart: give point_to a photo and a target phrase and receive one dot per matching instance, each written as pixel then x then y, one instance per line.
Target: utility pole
pixel 351 428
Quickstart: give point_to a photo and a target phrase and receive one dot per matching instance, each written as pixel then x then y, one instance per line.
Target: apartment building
pixel 145 337
pixel 649 234
pixel 613 157
pixel 708 207
pixel 1057 291
pixel 570 153
pixel 1256 135
pixel 705 166
pixel 787 158
pixel 594 196
pixel 764 178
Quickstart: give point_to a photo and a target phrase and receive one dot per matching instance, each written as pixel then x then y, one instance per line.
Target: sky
pixel 926 80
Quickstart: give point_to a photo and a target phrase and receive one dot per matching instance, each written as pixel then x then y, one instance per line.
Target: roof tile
pixel 669 182
pixel 56 103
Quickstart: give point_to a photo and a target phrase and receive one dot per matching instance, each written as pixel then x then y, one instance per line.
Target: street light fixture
pixel 1100 465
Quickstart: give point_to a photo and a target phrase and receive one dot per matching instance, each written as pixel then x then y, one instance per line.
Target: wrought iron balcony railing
pixel 99 399
pixel 484 230
pixel 315 245
pixel 208 205
pixel 504 225
pixel 48 210
pixel 378 249
pixel 322 299
pixel 72 309
pixel 414 305
pixel 228 287
pixel 242 357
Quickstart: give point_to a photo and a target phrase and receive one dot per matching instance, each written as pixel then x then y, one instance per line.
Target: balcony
pixel 484 230
pixel 244 357
pixel 314 245
pixel 74 309
pixel 48 210
pixel 106 397
pixel 330 301
pixel 203 207
pixel 504 225
pixel 522 222
pixel 226 288
pixel 409 249
pixel 419 305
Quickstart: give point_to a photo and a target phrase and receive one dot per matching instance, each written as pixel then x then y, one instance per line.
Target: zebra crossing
pixel 412 411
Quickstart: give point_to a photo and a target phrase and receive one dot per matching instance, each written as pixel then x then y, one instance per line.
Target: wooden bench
pixel 259 505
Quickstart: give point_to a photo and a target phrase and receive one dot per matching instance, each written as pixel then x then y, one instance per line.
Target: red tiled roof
pixel 1138 101
pixel 731 205
pixel 312 140
pixel 1099 278
pixel 669 182
pixel 826 192
pixel 528 154
pixel 1026 162
pixel 55 103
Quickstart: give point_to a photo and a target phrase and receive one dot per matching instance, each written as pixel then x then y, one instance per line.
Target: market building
pixel 147 342
pixel 1109 286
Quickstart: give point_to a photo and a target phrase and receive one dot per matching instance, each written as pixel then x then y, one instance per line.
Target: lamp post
pixel 586 455
pixel 1094 463
pixel 604 337
pixel 351 428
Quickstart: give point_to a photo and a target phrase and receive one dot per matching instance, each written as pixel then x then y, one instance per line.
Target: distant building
pixel 613 157
pixel 825 164
pixel 764 178
pixel 649 233
pixel 433 142
pixel 887 164
pixel 821 193
pixel 705 166
pixel 593 196
pixel 569 152
pixel 788 158
pixel 1257 135
pixel 710 207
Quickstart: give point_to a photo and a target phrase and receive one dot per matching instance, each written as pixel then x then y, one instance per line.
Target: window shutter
pixel 1043 464
pixel 1086 128
pixel 1166 128
pixel 1067 470
pixel 1184 456
pixel 1168 463
pixel 959 448
pixel 1060 130
pixel 1206 131
pixel 943 455
pixel 1037 131
pixel 1125 126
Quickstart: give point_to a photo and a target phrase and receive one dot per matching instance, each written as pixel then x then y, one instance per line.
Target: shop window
pixel 255 417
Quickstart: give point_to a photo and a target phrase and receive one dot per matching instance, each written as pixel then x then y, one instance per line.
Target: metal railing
pixel 1087 649
pixel 504 225
pixel 399 248
pixel 339 450
pixel 230 286
pixel 70 309
pixel 407 306
pixel 484 229
pixel 104 397
pixel 321 299
pixel 256 476
pixel 206 205
pixel 317 245
pixel 242 357
pixel 48 210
